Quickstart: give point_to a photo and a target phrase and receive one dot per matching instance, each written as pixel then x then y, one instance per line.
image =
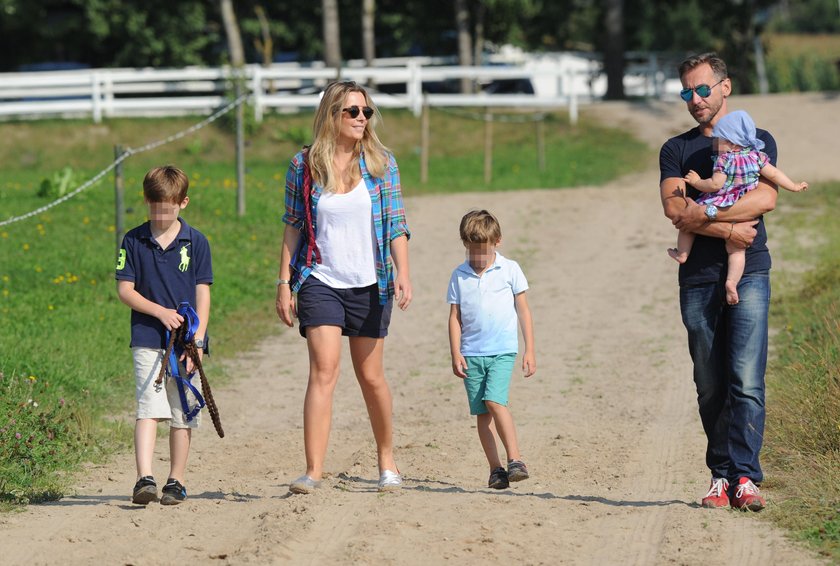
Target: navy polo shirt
pixel 166 277
pixel 707 261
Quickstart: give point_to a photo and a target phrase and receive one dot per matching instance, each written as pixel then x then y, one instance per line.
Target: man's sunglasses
pixel 354 110
pixel 703 91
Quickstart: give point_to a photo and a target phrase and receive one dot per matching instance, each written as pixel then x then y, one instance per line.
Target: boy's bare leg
pixel 684 242
pixel 367 355
pixel 737 260
pixel 324 343
pixel 145 432
pixel 505 428
pixel 488 440
pixel 179 450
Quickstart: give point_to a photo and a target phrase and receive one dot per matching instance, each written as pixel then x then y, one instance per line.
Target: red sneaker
pixel 747 496
pixel 717 496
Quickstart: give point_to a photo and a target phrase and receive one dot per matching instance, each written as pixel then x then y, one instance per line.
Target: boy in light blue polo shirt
pixel 486 297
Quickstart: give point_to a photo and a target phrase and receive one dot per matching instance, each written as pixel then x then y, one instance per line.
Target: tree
pixel 462 24
pixel 234 39
pixel 614 49
pixel 331 33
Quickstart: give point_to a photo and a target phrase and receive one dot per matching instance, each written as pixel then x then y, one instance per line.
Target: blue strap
pixel 191 321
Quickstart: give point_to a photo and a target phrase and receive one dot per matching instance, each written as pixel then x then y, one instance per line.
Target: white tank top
pixel 345 239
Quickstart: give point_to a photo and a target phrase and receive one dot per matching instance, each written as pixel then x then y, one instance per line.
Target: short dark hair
pixel 165 184
pixel 711 59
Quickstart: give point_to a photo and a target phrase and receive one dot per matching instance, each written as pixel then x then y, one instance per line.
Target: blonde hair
pixel 165 184
pixel 325 130
pixel 480 227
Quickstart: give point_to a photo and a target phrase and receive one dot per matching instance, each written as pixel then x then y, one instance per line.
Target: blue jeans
pixel 728 345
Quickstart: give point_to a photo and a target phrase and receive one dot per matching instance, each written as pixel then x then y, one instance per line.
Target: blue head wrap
pixel 737 127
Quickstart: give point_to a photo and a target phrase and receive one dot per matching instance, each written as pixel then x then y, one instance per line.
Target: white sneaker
pixel 304 484
pixel 389 480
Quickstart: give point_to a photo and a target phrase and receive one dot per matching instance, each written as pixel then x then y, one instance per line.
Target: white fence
pixel 557 80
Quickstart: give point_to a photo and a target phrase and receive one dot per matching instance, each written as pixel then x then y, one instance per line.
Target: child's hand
pixel 170 319
pixel 459 366
pixel 188 362
pixel 529 364
pixel 692 177
pixel 800 187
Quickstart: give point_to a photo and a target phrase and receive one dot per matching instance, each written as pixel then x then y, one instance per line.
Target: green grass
pixel 803 402
pixel 65 366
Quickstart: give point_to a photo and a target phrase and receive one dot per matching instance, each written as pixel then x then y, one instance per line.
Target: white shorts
pixel 156 401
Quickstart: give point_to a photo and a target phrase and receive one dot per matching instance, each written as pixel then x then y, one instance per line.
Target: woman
pixel 341 238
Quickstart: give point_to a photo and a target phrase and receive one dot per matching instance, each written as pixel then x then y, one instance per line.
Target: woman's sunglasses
pixel 354 110
pixel 703 91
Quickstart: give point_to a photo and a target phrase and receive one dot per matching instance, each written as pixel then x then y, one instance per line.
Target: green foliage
pixel 39 433
pixel 803 421
pixel 57 184
pixel 803 63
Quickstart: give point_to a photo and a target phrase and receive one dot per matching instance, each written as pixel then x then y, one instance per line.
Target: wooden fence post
pixel 541 142
pixel 424 142
pixel 488 147
pixel 119 198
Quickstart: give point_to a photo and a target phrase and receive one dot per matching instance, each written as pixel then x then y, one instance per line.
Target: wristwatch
pixel 283 282
pixel 199 343
pixel 711 212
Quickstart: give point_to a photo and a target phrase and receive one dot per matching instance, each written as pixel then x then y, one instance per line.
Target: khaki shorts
pixel 156 401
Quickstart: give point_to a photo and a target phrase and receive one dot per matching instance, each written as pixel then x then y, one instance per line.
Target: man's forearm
pixel 753 204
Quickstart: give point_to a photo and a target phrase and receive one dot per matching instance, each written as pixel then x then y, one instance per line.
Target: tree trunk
pixel 265 44
pixel 368 45
pixel 234 39
pixel 462 21
pixel 478 48
pixel 332 42
pixel 368 35
pixel 614 48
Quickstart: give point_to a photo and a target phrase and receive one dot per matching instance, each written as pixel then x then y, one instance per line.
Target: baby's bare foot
pixel 678 257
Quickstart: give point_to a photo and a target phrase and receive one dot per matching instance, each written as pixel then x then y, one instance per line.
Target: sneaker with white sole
pixel 173 492
pixel 747 497
pixel 517 471
pixel 145 491
pixel 304 485
pixel 389 480
pixel 718 495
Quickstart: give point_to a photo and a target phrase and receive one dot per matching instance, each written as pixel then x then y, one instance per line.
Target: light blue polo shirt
pixel 488 315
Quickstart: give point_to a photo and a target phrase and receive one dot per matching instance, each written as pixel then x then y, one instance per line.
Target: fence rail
pixel 558 81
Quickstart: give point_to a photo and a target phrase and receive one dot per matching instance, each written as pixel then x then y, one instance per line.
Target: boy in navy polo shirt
pixel 161 264
pixel 486 297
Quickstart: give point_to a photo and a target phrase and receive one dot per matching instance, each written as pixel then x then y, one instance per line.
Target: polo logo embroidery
pixel 121 260
pixel 185 259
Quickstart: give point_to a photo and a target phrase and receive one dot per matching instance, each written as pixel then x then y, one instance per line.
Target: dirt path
pixel 608 425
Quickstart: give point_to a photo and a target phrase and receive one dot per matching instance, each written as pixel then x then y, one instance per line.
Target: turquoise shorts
pixel 488 379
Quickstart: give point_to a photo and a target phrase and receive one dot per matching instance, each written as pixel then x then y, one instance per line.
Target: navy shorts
pixel 357 311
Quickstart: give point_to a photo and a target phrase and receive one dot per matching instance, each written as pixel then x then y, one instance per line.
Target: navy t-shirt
pixel 166 277
pixel 708 259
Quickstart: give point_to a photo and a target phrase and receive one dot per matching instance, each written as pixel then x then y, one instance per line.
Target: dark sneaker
pixel 145 491
pixel 498 479
pixel 746 496
pixel 173 492
pixel 517 471
pixel 718 495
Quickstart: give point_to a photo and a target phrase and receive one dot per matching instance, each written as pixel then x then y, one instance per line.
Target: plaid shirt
pixel 388 219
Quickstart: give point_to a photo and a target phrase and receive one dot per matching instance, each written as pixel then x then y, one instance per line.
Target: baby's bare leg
pixel 737 260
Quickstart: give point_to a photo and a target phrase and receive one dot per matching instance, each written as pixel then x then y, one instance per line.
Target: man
pixel 727 343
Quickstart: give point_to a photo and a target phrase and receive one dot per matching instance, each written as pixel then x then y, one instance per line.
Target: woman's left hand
pixel 402 291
